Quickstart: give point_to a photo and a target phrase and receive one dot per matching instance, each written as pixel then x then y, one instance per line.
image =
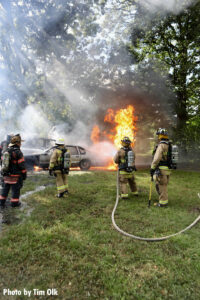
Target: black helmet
pixel 126 140
pixel 162 131
pixel 16 139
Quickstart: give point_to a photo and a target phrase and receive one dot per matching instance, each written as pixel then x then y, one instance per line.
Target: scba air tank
pixel 175 156
pixel 66 160
pixel 131 159
pixel 5 162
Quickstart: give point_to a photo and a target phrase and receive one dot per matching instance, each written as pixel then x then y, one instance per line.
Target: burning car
pixel 37 152
pixel 33 148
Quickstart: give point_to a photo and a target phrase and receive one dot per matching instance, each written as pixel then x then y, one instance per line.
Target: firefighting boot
pixel 16 204
pixel 135 194
pixel 124 196
pixel 60 195
pixel 157 204
pixel 66 194
pixel 2 203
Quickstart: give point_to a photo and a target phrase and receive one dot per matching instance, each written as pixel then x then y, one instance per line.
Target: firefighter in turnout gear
pixel 15 173
pixel 160 166
pixel 125 158
pixel 59 167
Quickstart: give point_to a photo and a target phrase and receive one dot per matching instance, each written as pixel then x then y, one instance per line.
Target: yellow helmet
pixel 60 141
pixel 162 133
pixel 126 141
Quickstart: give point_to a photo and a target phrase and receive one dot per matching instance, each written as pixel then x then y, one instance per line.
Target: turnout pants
pixel 126 179
pixel 15 186
pixel 61 182
pixel 162 180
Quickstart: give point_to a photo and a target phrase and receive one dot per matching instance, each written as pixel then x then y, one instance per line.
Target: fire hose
pixel 143 238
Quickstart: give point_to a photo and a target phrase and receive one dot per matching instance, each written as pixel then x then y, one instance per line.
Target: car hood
pixel 31 151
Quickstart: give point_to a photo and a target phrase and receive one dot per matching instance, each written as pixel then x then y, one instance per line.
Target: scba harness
pixel 172 155
pixel 64 161
pixel 9 157
pixel 127 163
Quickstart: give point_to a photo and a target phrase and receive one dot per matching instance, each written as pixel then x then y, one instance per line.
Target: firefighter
pixel 160 167
pixel 125 158
pixel 13 178
pixel 59 167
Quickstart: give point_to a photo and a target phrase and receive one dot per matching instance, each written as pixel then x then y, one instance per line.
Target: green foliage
pixel 170 43
pixel 193 137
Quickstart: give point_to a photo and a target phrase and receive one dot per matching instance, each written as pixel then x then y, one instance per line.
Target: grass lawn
pixel 70 245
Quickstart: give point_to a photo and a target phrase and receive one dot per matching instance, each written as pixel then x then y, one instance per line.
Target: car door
pixel 74 153
pixel 45 158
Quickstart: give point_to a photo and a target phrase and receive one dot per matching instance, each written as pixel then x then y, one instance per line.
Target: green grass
pixel 70 244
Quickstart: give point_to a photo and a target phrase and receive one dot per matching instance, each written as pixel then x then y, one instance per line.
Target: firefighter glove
pixel 50 172
pixel 152 171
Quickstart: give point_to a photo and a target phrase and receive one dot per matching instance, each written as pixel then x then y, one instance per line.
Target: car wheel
pixel 85 164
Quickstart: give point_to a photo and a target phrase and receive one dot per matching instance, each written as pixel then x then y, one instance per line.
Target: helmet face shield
pixel 126 141
pixel 162 133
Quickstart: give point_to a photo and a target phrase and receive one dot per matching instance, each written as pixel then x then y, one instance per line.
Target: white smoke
pixel 115 25
pixel 30 123
pixel 103 152
pixel 174 6
pixel 33 123
pixel 78 135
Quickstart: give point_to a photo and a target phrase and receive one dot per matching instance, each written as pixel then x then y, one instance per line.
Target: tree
pixel 36 35
pixel 173 41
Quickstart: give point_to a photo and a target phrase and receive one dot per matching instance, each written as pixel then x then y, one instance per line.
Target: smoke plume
pixel 174 6
pixel 68 77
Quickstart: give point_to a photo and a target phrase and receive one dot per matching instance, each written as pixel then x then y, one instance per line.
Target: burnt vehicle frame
pixel 80 157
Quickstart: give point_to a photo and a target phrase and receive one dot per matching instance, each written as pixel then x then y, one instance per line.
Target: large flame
pixel 123 123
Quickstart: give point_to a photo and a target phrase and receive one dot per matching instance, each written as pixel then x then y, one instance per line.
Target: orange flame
pixel 37 169
pixel 95 135
pixel 110 117
pixel 124 124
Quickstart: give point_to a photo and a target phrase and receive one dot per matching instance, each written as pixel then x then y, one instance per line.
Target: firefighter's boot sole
pixel 160 205
pixel 135 194
pixel 16 204
pixel 60 195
